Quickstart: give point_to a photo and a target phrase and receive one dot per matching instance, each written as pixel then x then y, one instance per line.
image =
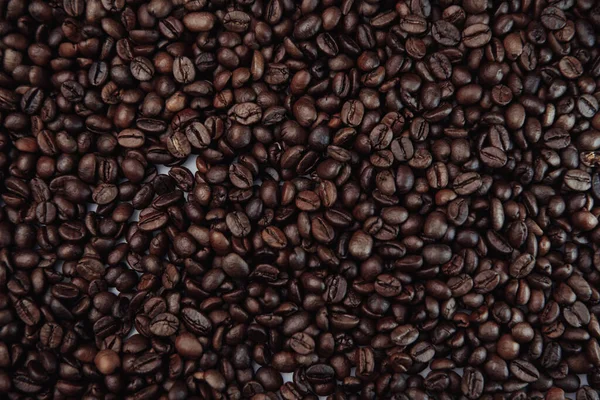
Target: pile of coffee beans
pixel 377 199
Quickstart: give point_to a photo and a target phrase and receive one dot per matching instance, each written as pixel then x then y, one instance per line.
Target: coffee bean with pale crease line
pixel 413 24
pixel 472 383
pixel 164 324
pixel 141 69
pixel 246 113
pixel 445 33
pixel 131 138
pixel 476 35
pixel 236 21
pixel 183 70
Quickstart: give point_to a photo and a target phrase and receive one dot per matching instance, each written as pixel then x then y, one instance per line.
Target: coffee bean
pixel 164 324
pixel 131 138
pixel 72 91
pixel 570 67
pixel 183 70
pixel 146 363
pixel 524 370
pixel 404 335
pixel 587 105
pixel 236 21
pixel 577 180
pixel 557 138
pixel 307 27
pixel 178 145
pixel 235 266
pixel 467 183
pixel 476 35
pixel 27 311
pixel 274 237
pixel 32 100
pixel 141 69
pixel 196 322
pixel 319 374
pixel 522 266
pixel 493 157
pixel 246 113
pixel 472 383
pixel 107 361
pixel 553 18
pixel 353 112
pixel 413 24
pixel 98 73
pixel 445 33
pixel 199 21
pixel 301 343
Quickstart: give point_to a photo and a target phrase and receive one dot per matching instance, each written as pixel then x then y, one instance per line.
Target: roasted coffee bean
pixel 413 24
pixel 183 70
pixel 472 383
pixel 476 35
pixel 577 180
pixel 164 324
pixel 467 183
pixel 301 343
pixel 553 18
pixel 141 69
pixel 524 370
pixel 445 33
pixel 404 335
pixel 195 321
pixel 131 138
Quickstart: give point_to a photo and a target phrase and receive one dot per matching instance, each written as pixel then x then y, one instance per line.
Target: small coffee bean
pixel 141 69
pixel 476 35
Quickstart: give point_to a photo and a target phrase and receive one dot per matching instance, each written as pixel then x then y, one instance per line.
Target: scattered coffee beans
pixel 382 199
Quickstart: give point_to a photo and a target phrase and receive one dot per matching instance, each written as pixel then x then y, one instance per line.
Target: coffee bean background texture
pixel 312 199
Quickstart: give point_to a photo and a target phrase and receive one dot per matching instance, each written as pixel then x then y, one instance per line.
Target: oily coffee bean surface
pixel 380 199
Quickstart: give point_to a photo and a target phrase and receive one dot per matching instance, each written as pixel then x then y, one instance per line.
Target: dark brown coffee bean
pixel 131 138
pixel 476 35
pixel 493 157
pixel 301 343
pixel 195 321
pixel 445 33
pixel 587 105
pixel 235 266
pixel 467 183
pixel 246 113
pixel 557 138
pixel 570 67
pixel 577 180
pixel 27 311
pixel 353 112
pixel 404 335
pixel 72 91
pixel 164 324
pixel 472 383
pixel 178 145
pixel 524 370
pixel 522 266
pixel 553 18
pixel 413 24
pixel 141 69
pixel 107 361
pixel 236 21
pixel 183 70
